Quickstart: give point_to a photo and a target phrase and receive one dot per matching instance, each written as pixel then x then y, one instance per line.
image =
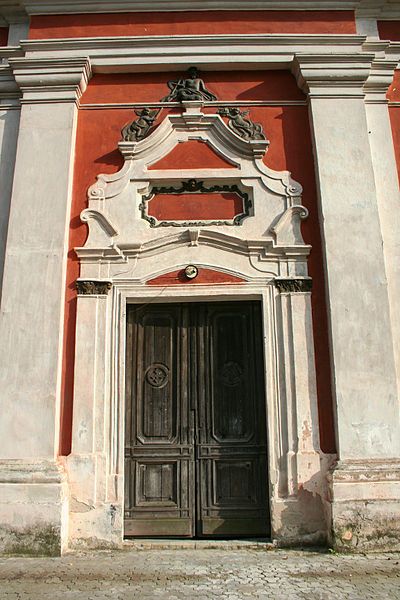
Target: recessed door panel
pixel 195 427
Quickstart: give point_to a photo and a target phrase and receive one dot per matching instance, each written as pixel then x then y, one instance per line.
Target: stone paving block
pixel 201 574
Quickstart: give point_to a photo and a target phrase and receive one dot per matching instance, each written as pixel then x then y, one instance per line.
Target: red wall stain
pixel 192 207
pixel 287 127
pixel 190 23
pixel 192 155
pixel 205 276
pixel 3 36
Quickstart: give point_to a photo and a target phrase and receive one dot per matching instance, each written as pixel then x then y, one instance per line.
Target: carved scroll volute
pixel 287 229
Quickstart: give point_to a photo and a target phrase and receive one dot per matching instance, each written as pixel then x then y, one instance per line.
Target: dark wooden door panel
pixel 231 449
pixel 195 432
pixel 159 456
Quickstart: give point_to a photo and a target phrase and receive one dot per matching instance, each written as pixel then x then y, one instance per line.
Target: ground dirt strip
pixel 201 573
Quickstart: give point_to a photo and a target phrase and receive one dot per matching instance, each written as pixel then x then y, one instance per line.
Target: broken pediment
pixel 195 173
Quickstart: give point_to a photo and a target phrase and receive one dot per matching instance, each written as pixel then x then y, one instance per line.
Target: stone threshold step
pixel 197 544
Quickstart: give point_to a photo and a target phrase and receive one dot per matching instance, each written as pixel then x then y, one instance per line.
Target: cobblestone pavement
pixel 217 574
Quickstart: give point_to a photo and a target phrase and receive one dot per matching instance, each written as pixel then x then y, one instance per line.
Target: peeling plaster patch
pixel 77 506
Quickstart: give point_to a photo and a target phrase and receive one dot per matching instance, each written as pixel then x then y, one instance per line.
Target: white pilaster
pixel 32 310
pixel 358 283
pixel 387 186
pixel 9 123
pixel 301 510
pixel 94 511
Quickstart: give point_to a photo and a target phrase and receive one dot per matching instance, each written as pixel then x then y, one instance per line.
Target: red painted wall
pixel 193 154
pixel 390 30
pixel 287 127
pixel 393 95
pixel 204 276
pixel 195 207
pixel 3 36
pixel 190 23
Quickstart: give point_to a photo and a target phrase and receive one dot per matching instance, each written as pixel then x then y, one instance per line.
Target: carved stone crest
pixel 242 125
pixel 140 127
pixel 189 88
pixel 93 288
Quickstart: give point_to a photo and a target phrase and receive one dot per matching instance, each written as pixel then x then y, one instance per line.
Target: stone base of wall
pixel 366 505
pixel 33 508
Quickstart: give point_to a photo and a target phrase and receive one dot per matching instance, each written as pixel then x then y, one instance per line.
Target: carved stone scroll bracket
pixel 101 230
pixel 93 288
pixel 287 229
pixel 293 285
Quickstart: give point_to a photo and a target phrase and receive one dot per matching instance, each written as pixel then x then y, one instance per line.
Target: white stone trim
pixel 123 249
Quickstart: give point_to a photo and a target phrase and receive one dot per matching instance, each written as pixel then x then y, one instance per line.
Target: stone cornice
pixel 32 7
pixel 8 87
pixel 14 10
pixel 51 80
pixel 123 54
pixel 379 80
pixel 324 65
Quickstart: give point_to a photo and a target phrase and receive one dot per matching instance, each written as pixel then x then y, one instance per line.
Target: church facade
pixel 200 273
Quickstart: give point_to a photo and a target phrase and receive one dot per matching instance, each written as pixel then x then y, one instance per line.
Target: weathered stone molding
pixel 381 9
pixel 293 285
pixel 93 288
pixel 333 75
pixel 30 471
pixel 46 80
pixel 365 504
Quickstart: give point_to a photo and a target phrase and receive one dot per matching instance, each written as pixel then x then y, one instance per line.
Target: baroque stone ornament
pixel 93 288
pixel 140 127
pixel 196 187
pixel 293 285
pixel 190 88
pixel 191 272
pixel 242 126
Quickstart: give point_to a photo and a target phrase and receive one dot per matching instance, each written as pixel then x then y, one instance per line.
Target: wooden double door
pixel 195 445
